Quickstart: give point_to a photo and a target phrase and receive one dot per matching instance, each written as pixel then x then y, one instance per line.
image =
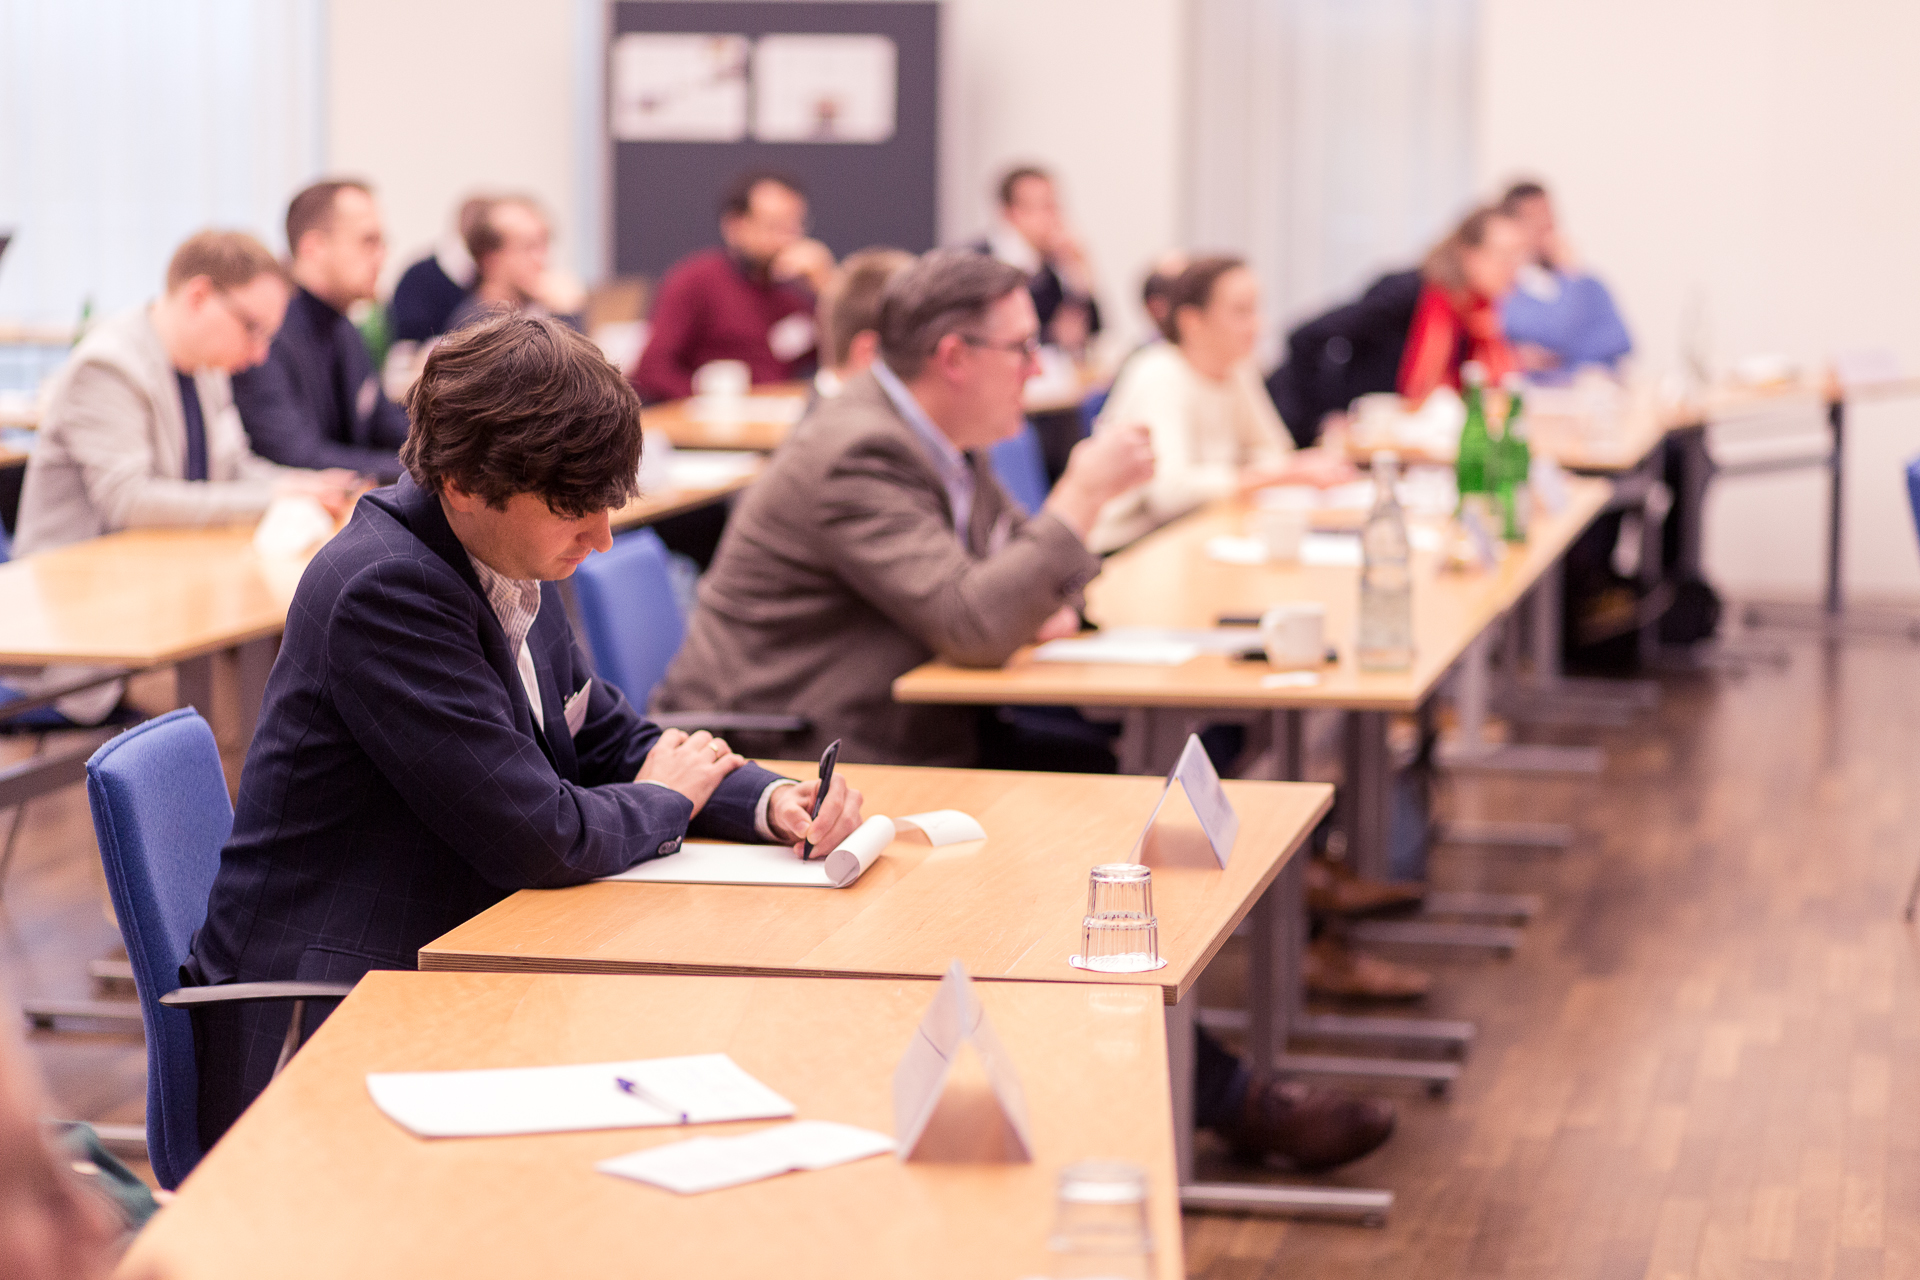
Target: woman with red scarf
pixel 1457 318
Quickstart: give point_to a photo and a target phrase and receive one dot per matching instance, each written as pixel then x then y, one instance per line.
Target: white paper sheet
pixel 709 1087
pixel 1228 549
pixel 784 410
pixel 709 1164
pixel 944 826
pixel 293 525
pixel 1118 651
pixel 707 468
pixel 712 862
pixel 1330 551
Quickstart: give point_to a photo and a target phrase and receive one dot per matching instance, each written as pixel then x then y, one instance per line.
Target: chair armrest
pixel 733 722
pixel 249 992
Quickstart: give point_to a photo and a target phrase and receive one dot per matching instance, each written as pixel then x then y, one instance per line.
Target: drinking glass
pixel 1120 889
pixel 1100 1223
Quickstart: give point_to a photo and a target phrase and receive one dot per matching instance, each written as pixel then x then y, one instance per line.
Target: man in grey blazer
pixel 879 538
pixel 140 429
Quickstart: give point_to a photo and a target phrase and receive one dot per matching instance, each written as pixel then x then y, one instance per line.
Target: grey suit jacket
pixel 112 453
pixel 840 570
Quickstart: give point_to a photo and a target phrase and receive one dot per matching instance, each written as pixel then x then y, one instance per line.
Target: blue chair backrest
pixel 1913 491
pixel 161 814
pixel 632 618
pixel 1021 464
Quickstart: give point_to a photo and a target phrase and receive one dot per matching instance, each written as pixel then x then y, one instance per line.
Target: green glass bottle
pixel 1470 467
pixel 1512 492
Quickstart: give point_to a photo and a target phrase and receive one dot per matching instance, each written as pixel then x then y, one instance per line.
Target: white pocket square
pixel 576 708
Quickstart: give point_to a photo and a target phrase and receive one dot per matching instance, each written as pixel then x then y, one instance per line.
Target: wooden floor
pixel 1703 1061
pixel 1705 1058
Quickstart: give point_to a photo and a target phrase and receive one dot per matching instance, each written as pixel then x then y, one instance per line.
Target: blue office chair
pixel 1021 464
pixel 161 814
pixel 1913 502
pixel 633 625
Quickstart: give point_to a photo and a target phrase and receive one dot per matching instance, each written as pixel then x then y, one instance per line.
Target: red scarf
pixel 1433 351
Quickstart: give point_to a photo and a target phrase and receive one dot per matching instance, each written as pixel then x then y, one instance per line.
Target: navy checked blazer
pixel 397 785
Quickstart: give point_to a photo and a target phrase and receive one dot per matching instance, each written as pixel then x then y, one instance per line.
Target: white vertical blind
pixel 126 125
pixel 1329 139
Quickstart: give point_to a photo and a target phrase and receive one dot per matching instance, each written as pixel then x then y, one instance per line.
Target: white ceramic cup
pixel 722 378
pixel 1295 635
pixel 1280 530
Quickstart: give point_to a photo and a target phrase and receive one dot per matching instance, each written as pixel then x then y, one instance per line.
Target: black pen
pixel 827 758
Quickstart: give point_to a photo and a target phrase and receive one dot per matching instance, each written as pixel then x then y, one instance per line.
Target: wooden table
pixel 1009 908
pixel 313 1181
pixel 676 499
pixel 684 423
pixel 1167 580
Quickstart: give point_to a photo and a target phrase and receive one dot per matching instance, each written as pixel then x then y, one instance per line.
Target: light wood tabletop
pixel 771 412
pixel 1008 907
pixel 774 410
pixel 1167 580
pixel 313 1181
pixel 144 598
pixel 676 499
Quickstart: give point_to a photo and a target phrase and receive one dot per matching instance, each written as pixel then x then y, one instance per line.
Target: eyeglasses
pixel 254 329
pixel 1027 348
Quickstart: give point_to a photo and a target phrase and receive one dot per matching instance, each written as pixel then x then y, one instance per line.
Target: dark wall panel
pixel 665 193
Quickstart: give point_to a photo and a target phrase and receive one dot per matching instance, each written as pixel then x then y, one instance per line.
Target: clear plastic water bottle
pixel 1100 1224
pixel 1385 642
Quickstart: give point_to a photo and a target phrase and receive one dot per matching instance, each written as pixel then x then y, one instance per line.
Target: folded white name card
pixel 705 1088
pixel 1197 777
pixel 953 1021
pixel 709 1164
pixel 710 862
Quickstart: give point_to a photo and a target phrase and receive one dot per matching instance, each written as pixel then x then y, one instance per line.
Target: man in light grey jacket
pixel 141 431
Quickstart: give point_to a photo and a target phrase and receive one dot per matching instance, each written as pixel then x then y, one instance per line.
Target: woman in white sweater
pixel 1214 428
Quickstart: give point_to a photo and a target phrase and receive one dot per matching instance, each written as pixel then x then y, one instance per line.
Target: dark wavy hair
pixel 524 404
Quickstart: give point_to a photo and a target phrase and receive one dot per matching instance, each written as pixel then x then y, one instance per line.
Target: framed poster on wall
pixel 843 96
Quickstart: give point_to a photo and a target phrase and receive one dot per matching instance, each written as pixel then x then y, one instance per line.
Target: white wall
pixel 1092 89
pixel 1754 158
pixel 433 98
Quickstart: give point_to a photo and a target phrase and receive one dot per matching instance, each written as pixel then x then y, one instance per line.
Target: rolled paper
pixel 856 853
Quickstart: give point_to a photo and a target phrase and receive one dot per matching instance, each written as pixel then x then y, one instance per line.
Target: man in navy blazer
pixel 316 400
pixel 432 739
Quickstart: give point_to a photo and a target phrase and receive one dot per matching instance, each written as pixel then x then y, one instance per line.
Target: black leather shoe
pixel 1312 1127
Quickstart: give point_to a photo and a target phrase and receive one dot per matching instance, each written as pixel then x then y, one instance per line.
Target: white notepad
pixel 708 1087
pixel 712 862
pixel 708 1164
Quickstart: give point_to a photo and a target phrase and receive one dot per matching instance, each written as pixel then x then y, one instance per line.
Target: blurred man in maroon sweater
pixel 752 300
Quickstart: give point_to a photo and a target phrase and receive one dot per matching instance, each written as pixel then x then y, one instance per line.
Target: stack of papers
pixel 708 1164
pixel 708 1088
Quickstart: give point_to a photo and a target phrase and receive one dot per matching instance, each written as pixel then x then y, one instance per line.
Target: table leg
pixel 1364 1206
pixel 1469 749
pixel 194 684
pixel 1368 788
